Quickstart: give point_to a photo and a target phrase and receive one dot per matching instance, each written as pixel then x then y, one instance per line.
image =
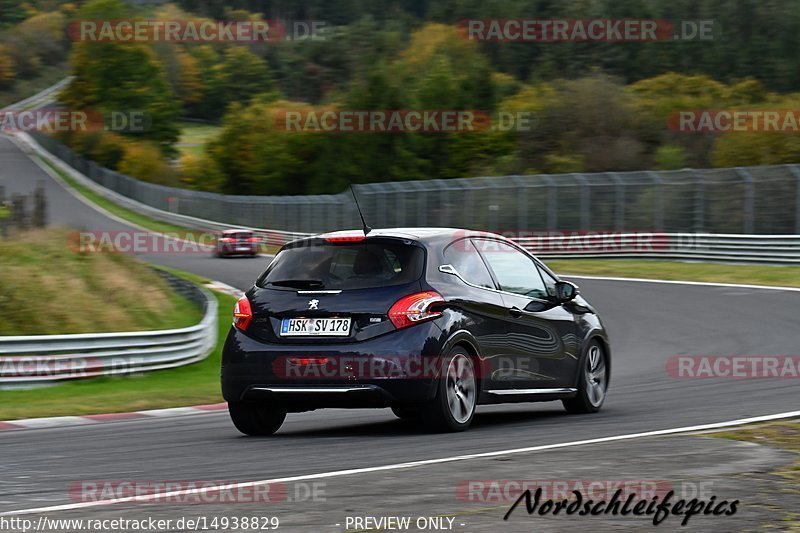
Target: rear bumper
pixel 395 368
pixel 236 250
pixel 321 396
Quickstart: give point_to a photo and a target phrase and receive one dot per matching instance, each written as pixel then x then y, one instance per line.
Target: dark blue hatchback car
pixel 428 321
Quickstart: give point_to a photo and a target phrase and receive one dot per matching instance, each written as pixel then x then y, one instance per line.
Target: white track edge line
pixel 681 282
pixel 398 466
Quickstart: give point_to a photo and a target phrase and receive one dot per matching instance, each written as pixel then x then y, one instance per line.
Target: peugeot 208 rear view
pixel 430 322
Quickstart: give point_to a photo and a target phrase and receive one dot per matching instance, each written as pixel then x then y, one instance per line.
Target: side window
pixel 549 282
pixel 464 257
pixel 515 271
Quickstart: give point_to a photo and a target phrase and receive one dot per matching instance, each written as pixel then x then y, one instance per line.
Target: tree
pixel 238 78
pixel 122 77
pixel 258 157
pixel 144 160
pixel 11 12
pixel 6 67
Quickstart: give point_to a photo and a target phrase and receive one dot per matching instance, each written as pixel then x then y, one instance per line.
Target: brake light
pixel 308 361
pixel 227 239
pixel 345 237
pixel 253 239
pixel 242 314
pixel 414 309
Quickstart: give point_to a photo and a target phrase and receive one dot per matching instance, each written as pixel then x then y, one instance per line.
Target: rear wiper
pixel 299 283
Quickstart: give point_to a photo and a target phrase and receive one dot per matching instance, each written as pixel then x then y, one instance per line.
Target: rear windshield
pixel 361 265
pixel 238 235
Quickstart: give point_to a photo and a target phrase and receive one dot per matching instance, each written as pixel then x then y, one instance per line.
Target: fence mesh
pixel 748 200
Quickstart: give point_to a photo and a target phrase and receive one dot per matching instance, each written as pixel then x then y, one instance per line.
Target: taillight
pixel 414 309
pixel 227 239
pixel 242 314
pixel 253 239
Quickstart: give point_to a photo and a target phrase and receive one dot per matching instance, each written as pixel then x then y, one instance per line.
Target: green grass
pixel 194 137
pixel 194 384
pixel 788 276
pixel 22 89
pixel 85 292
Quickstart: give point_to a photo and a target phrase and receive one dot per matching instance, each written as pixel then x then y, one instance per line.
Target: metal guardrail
pixel 43 97
pixel 34 360
pixel 764 249
pixel 762 200
pixel 698 246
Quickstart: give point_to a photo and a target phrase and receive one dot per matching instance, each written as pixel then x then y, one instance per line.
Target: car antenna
pixel 367 229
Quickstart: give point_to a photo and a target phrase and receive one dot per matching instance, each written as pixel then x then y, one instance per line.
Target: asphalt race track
pixel 648 324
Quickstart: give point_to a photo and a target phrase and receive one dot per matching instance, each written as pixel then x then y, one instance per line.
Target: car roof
pixel 420 234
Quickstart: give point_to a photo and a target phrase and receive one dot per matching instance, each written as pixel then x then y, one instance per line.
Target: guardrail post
pixel 658 216
pixel 494 206
pixel 749 200
pixel 700 204
pixel 586 200
pixel 522 203
pixel 552 200
pixel 619 202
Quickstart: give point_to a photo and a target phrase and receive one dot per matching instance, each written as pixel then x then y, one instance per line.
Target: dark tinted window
pixel 465 259
pixel 515 271
pixel 239 235
pixel 345 266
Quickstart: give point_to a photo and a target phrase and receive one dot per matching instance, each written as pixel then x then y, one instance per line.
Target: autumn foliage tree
pixel 122 77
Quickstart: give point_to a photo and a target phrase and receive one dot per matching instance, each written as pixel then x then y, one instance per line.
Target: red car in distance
pixel 237 242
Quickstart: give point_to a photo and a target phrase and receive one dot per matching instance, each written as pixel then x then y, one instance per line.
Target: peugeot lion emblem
pixel 313 304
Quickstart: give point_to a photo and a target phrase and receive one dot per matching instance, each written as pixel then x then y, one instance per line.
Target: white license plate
pixel 315 327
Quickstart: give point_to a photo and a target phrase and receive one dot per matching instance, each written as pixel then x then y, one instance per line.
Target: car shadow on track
pixel 397 427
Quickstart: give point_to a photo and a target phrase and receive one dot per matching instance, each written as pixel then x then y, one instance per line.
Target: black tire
pixel 592 381
pixel 254 419
pixel 407 413
pixel 441 414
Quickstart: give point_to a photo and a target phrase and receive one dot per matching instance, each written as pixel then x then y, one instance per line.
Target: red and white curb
pixel 68 421
pixel 224 288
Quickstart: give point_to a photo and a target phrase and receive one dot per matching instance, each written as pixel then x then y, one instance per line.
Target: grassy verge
pixel 81 292
pixel 788 276
pixel 195 384
pixel 194 137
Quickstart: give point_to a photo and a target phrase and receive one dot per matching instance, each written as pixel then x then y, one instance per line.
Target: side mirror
pixel 566 291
